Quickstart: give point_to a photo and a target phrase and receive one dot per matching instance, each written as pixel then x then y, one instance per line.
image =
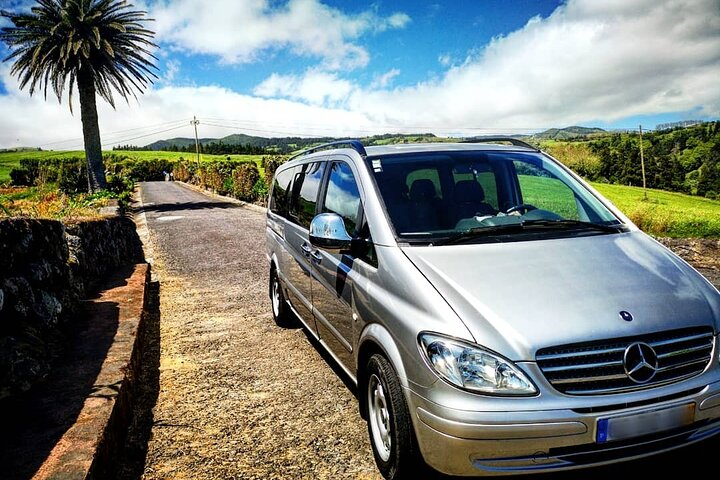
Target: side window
pixel 296 183
pixel 342 195
pixel 281 192
pixel 305 192
pixel 542 190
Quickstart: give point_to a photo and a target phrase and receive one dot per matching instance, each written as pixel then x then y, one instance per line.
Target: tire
pixel 281 313
pixel 389 424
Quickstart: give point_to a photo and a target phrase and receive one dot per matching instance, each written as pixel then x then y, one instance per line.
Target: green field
pixel 663 213
pixel 666 213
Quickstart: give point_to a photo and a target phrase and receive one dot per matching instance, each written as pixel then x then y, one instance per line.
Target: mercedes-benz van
pixel 497 314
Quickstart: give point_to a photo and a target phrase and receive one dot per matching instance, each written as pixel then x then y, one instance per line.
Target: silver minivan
pixel 497 314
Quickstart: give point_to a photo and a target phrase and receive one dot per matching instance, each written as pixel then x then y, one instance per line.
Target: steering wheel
pixel 525 207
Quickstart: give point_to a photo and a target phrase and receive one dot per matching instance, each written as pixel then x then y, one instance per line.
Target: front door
pixel 334 275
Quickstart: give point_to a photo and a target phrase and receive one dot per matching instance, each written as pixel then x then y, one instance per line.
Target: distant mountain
pixel 179 142
pixel 240 139
pixel 568 133
pixel 289 144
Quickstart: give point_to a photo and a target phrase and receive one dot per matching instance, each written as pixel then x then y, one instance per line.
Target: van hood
pixel 518 297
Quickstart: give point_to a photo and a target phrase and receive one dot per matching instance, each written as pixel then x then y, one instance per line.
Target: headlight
pixel 473 368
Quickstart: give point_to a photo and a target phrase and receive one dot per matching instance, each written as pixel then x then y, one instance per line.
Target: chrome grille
pixel 593 368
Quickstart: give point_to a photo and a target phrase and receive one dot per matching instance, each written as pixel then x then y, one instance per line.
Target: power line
pixel 76 139
pixel 291 134
pixel 385 126
pixel 146 135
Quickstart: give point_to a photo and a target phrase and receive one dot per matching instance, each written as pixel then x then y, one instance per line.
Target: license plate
pixel 644 423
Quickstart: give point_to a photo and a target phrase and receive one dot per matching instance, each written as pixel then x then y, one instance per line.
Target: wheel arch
pixel 376 339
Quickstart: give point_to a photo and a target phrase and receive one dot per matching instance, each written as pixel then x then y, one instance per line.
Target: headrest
pixel 422 189
pixel 468 191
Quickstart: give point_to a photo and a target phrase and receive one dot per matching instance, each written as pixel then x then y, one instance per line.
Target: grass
pixel 48 202
pixel 664 213
pixel 548 194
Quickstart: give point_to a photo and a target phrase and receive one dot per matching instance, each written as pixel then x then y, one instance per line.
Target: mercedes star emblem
pixel 640 362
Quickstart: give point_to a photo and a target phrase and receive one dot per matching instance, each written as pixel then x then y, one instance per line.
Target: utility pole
pixel 642 163
pixel 195 123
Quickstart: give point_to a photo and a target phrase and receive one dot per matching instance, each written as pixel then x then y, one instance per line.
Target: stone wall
pixel 46 268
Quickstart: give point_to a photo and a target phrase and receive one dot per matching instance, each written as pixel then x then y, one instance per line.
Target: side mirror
pixel 327 231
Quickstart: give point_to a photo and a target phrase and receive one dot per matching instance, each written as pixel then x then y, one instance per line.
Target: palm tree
pixel 100 45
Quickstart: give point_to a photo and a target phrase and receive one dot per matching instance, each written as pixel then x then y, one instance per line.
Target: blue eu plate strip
pixel 602 430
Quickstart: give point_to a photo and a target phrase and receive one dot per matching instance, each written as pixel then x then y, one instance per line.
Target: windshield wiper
pixel 575 224
pixel 479 232
pixel 528 225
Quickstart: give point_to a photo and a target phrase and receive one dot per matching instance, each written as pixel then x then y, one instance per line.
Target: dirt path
pixel 701 253
pixel 239 397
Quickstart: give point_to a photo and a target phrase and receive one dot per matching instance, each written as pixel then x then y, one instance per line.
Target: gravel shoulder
pixel 237 396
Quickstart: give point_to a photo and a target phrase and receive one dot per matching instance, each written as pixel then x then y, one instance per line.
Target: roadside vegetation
pixel 55 185
pixel 49 202
pixel 682 171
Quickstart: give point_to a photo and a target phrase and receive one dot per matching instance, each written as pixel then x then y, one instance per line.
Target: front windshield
pixel 431 196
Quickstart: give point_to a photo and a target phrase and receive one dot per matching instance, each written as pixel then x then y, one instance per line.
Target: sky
pixel 350 69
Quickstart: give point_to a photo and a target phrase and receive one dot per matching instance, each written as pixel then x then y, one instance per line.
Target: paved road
pixel 238 396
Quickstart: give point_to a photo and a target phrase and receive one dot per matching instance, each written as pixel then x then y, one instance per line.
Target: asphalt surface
pixel 238 396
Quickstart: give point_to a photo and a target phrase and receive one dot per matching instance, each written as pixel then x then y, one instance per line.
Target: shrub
pixel 184 171
pixel 139 170
pixel 72 177
pixel 67 172
pixel 21 177
pixel 270 164
pixel 578 157
pixel 260 191
pixel 118 184
pixel 244 177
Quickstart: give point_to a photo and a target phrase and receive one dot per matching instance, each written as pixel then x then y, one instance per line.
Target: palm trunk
pixel 91 131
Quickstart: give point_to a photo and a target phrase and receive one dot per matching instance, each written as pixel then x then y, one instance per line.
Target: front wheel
pixel 389 425
pixel 280 309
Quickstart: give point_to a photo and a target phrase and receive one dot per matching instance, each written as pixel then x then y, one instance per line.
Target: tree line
pixel 685 160
pixel 212 148
pixel 682 159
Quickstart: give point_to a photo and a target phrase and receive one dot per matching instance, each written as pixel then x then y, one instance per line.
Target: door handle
pixel 307 251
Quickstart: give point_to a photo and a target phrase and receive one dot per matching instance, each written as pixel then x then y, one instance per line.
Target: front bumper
pixel 471 443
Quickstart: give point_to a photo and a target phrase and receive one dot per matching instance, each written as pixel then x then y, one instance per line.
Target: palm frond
pixel 49 46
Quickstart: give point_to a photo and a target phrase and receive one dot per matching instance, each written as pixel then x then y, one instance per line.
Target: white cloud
pixel 445 60
pixel 248 30
pixel 315 87
pixel 589 61
pixel 32 121
pixel 384 80
pixel 172 68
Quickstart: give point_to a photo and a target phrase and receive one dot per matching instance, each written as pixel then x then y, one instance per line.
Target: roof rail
pixel 512 140
pixel 354 144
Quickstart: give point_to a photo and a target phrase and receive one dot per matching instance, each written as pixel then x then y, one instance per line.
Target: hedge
pixel 238 178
